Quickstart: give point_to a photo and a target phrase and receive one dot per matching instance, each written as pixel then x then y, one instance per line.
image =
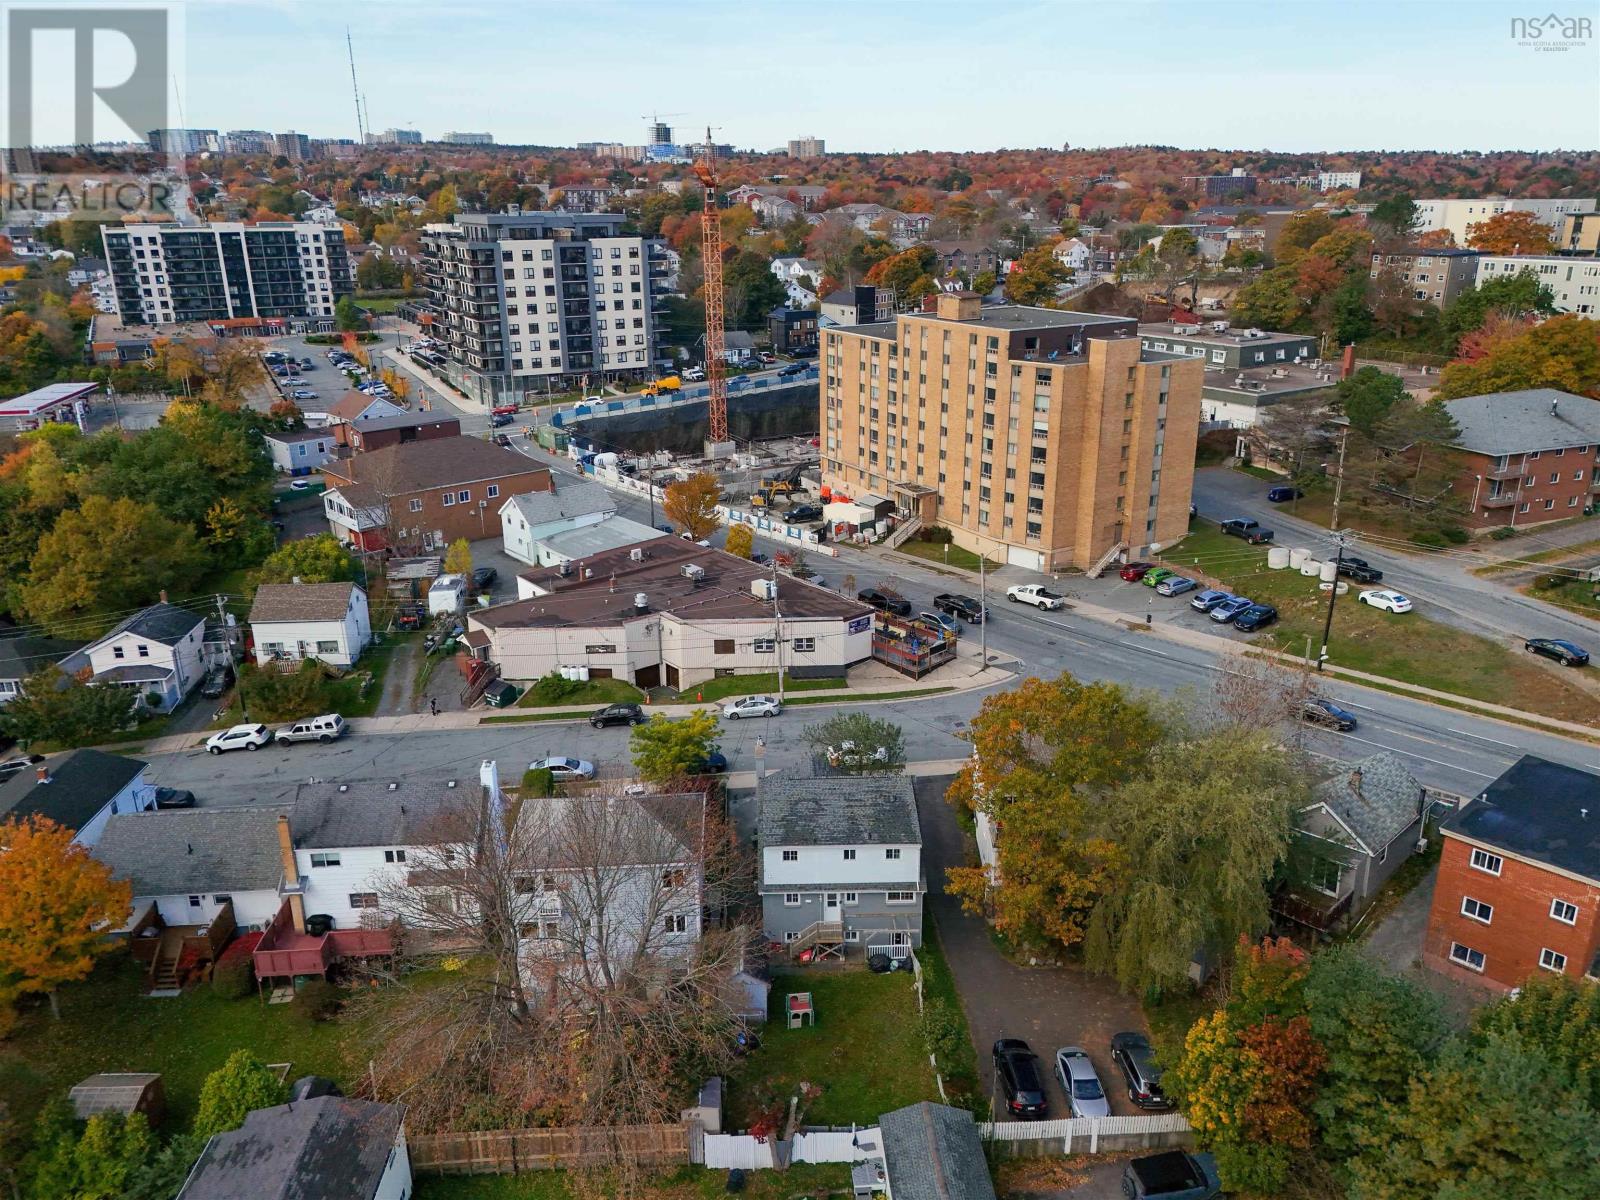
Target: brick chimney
pixel 1347 362
pixel 291 873
pixel 42 772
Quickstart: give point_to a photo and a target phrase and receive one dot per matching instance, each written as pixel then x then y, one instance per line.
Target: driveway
pixel 1396 942
pixel 1046 1006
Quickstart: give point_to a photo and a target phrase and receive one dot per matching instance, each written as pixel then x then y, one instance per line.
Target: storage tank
pixel 1278 557
pixel 1330 572
pixel 1311 568
pixel 1298 556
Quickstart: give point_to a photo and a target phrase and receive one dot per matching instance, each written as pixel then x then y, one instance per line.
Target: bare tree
pixel 1255 693
pixel 1298 432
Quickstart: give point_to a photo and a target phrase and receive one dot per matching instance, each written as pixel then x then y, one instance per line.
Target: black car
pixel 1257 616
pixel 1360 570
pixel 1134 1058
pixel 174 798
pixel 1280 495
pixel 501 439
pixel 484 577
pixel 804 512
pixel 618 714
pixel 715 763
pixel 1326 712
pixel 217 681
pixel 1559 650
pixel 793 369
pixel 964 607
pixel 1020 1077
pixel 885 601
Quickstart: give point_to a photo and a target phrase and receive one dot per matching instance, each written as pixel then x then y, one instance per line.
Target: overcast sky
pixel 881 75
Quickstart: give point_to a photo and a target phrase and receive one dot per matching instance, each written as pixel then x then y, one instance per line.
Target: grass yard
pixel 934 552
pixel 547 692
pixel 687 1183
pixel 757 685
pixel 961 1081
pixel 381 304
pixel 347 696
pixel 865 1051
pixel 107 1025
pixel 1577 594
pixel 1409 648
pixel 1515 561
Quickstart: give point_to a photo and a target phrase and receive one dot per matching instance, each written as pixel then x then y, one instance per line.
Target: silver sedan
pixel 1079 1081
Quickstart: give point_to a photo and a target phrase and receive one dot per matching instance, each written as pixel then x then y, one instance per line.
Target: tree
pixel 1562 353
pixel 1394 219
pixel 321 558
pixel 740 541
pixel 862 744
pixel 56 709
pixel 458 559
pixel 109 1154
pixel 984 282
pixel 1408 468
pixel 1270 301
pixel 691 504
pixel 1300 232
pixel 1559 1017
pixel 234 1090
pixel 1511 233
pixel 666 748
pixel 1299 430
pixel 1516 296
pixel 1366 397
pixel 55 903
pixel 1037 278
pixel 1199 837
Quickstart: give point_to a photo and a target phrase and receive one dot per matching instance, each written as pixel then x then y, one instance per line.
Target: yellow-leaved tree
pixel 740 541
pixel 691 504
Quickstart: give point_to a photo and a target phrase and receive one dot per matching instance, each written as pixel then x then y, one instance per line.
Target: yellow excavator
pixel 770 489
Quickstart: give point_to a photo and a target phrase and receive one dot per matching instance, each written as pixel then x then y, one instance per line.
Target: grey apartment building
pixel 1435 275
pixel 528 302
pixel 163 274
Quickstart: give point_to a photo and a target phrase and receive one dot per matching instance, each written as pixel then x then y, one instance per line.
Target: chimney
pixel 1554 404
pixel 163 595
pixel 1347 362
pixel 1355 781
pixel 291 873
pixel 42 772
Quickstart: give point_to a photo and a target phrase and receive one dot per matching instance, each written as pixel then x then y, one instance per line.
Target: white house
pixel 1075 256
pixel 22 655
pixel 82 792
pixel 576 521
pixel 355 407
pixel 158 652
pixel 299 451
pixel 327 621
pixel 790 269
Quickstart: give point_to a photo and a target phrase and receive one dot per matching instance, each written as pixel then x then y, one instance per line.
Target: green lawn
pixel 593 691
pixel 687 1183
pixel 961 1080
pixel 934 552
pixel 107 1025
pixel 381 304
pixel 756 685
pixel 865 1050
pixel 358 694
pixel 1577 594
pixel 1409 648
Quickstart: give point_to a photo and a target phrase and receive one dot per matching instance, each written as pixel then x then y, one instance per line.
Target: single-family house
pixel 841 863
pixel 1076 256
pixel 577 520
pixel 158 652
pixel 355 408
pixel 789 268
pixel 299 451
pixel 21 655
pixel 327 1148
pixel 1364 824
pixel 82 791
pixel 327 621
pixel 774 210
pixel 932 1152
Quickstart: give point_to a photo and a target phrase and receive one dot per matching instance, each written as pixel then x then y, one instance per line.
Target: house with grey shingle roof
pixel 81 791
pixel 1366 821
pixel 932 1152
pixel 841 863
pixel 158 652
pixel 576 520
pixel 23 654
pixel 294 621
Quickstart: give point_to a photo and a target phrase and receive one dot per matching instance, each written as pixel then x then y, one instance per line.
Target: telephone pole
pixel 983 603
pixel 1333 594
pixel 1338 480
pixel 777 627
pixel 227 640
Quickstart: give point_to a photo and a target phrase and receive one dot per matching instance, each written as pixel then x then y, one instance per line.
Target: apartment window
pixel 1325 874
pixel 325 860
pixel 494 490
pixel 805 645
pixel 1477 910
pixel 899 897
pixel 764 645
pixel 722 646
pixel 1482 860
pixel 363 899
pixel 791 856
pixel 675 923
pixel 464 496
pixel 1551 961
pixel 850 855
pixel 1466 956
pixel 194 901
pixel 892 853
pixel 1566 913
pixel 449 499
pixel 791 900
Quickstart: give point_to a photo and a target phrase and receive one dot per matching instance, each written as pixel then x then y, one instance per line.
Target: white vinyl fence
pixel 726 1150
pixel 1089 1135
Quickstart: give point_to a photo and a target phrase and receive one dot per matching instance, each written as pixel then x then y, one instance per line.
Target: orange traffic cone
pixel 698 697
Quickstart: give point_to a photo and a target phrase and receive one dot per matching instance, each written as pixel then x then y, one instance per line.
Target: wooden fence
pixel 511 1151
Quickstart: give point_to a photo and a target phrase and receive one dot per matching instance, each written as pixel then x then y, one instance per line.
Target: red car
pixel 1134 572
pixel 504 410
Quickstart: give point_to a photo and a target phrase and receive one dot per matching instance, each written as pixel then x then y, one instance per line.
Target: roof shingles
pixel 301 602
pixel 848 811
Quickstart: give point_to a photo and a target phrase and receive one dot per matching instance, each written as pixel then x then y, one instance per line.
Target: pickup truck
pixel 964 607
pixel 1174 1175
pixel 884 600
pixel 1250 531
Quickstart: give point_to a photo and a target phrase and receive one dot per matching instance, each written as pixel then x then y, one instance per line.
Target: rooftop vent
pixel 450 784
pixel 394 787
pixel 636 554
pixel 763 588
pixel 344 787
pixel 641 602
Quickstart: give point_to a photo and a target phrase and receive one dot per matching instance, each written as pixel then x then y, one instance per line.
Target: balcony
pixel 1504 500
pixel 1507 472
pixel 1311 910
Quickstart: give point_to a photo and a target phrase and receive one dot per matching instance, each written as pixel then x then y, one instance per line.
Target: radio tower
pixel 711 254
pixel 361 125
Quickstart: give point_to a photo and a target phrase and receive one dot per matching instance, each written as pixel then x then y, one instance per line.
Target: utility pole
pixel 777 622
pixel 983 603
pixel 227 640
pixel 1333 594
pixel 1338 480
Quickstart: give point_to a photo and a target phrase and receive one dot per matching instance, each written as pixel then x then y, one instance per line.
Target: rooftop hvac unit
pixel 693 571
pixel 564 567
pixel 641 602
pixel 1219 326
pixel 636 554
pixel 764 588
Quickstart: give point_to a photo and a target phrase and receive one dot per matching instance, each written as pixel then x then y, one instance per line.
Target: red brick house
pixel 1519 879
pixel 1530 456
pixel 379 432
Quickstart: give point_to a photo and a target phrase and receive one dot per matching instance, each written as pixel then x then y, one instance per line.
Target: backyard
pixel 356 694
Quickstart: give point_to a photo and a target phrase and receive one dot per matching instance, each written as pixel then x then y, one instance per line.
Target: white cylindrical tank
pixel 1330 572
pixel 1278 557
pixel 1298 556
pixel 1311 567
pixel 1338 588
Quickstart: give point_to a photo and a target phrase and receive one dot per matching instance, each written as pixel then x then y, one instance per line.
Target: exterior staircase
pixel 164 968
pixel 819 934
pixel 1106 560
pixel 903 533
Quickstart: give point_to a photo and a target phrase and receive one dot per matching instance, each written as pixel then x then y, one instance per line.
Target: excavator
pixel 770 489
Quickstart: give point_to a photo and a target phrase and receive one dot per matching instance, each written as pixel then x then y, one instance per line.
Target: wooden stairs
pixel 164 967
pixel 826 937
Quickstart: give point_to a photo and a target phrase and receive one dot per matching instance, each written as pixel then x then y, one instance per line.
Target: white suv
pixel 240 737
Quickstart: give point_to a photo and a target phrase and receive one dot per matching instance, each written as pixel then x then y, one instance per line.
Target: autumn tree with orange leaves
pixel 1511 233
pixel 56 903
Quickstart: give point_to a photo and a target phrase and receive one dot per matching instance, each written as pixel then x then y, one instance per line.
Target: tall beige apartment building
pixel 1046 439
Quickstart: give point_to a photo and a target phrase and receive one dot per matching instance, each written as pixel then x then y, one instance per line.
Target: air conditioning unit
pixel 1422 846
pixel 764 588
pixel 693 571
pixel 636 554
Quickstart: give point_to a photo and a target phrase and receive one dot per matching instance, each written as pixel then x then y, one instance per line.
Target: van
pixel 325 728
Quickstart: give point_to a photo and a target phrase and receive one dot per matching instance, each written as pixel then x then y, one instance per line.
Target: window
pixel 1466 956
pixel 852 898
pixel 722 646
pixel 791 856
pixel 494 490
pixel 850 855
pixel 464 496
pixel 791 900
pixel 1566 913
pixel 194 901
pixel 892 853
pixel 394 856
pixel 1325 874
pixel 1488 863
pixel 899 897
pixel 1477 909
pixel 805 645
pixel 117 652
pixel 764 645
pixel 1551 961
pixel 363 899
pixel 675 923
pixel 449 499
pixel 416 505
pixel 672 877
pixel 327 647
pixel 852 935
pixel 325 860
pixel 220 899
pixel 790 936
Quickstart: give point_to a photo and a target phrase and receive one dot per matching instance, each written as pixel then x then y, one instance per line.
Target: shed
pixel 124 1092
pixel 447 594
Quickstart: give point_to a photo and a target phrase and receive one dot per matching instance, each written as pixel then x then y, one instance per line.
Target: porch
pixel 172 955
pixel 285 952
pixel 1310 910
pixel 910 647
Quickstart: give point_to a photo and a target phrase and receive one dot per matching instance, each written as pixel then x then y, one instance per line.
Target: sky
pixel 886 75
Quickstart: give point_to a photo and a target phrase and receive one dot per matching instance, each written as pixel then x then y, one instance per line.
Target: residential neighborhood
pixel 984 647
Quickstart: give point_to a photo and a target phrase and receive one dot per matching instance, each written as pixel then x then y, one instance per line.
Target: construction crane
pixel 711 256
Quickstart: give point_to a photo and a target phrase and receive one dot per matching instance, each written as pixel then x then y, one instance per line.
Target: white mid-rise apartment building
pixel 1574 281
pixel 1458 215
pixel 162 274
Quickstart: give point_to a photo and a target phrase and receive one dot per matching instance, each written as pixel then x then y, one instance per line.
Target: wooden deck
pixel 285 953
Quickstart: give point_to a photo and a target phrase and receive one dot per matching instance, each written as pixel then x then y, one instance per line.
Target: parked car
pixel 300 485
pixel 1568 654
pixel 768 357
pixel 174 798
pixel 303 394
pixel 1174 1175
pixel 885 601
pixel 325 728
pixel 1037 595
pixel 752 706
pixel 1360 570
pixel 792 370
pixel 1080 1083
pixel 240 737
pixel 1281 495
pixel 1176 585
pixel 1208 599
pixel 564 769
pixel 217 681
pixel 943 622
pixel 693 375
pixel 845 755
pixel 1317 711
pixel 715 763
pixel 1387 600
pixel 1257 616
pixel 1155 575
pixel 1230 609
pixel 500 420
pixel 21 763
pixel 1133 1056
pixel 1133 572
pixel 965 607
pixel 1250 531
pixel 501 439
pixel 618 714
pixel 1020 1079
pixel 803 512
pixel 483 578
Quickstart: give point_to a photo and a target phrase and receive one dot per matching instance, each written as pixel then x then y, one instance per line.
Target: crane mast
pixel 716 335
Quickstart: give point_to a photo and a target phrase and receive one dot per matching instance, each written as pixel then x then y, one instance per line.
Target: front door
pixel 830 908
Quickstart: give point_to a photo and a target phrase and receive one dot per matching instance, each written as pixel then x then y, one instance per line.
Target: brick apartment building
pixel 421 496
pixel 1046 438
pixel 1519 879
pixel 1530 456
